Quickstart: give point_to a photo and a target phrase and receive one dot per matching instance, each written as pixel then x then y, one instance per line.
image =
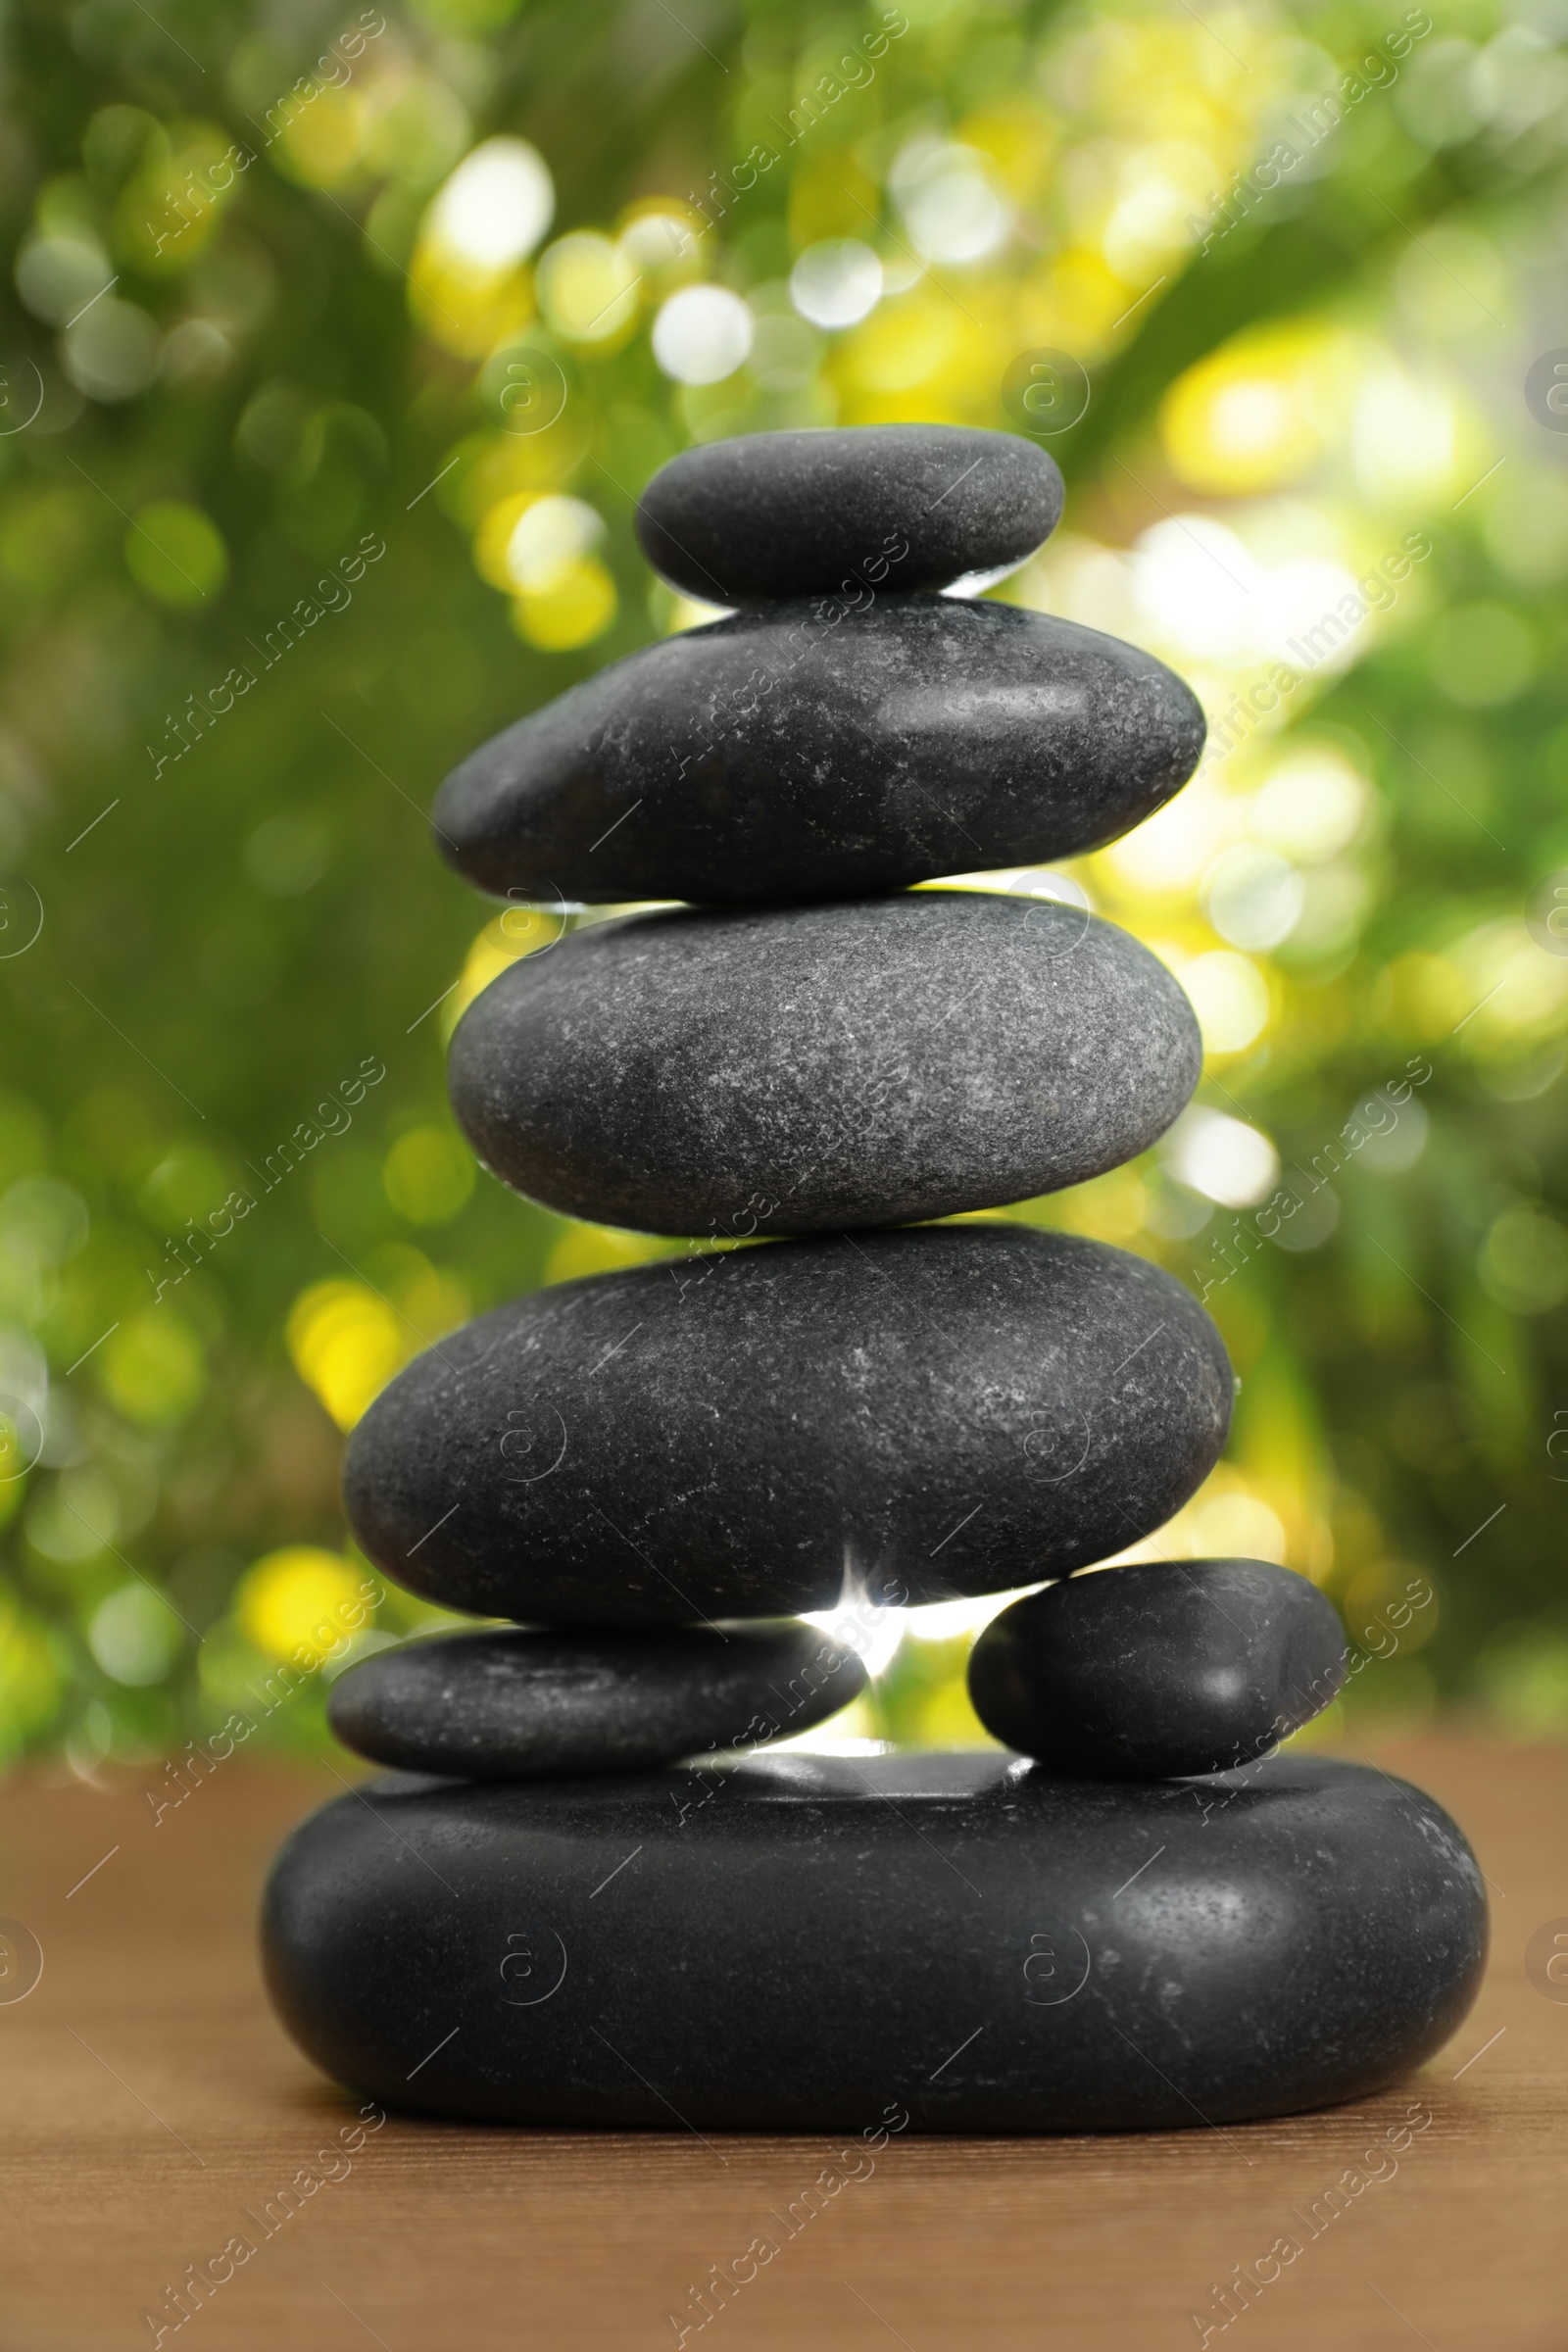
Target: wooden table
pixel 151 2104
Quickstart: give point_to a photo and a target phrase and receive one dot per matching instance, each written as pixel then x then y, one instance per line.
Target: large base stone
pixel 811 1944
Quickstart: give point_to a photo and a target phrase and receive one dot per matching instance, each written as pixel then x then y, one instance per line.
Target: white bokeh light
pixel 1043 882
pixel 1230 997
pixel 657 240
pixel 1207 596
pixel 836 283
pixel 872 1629
pixel 1237 1527
pixel 496 206
pixel 1168 852
pixel 1403 437
pixel 1313 804
pixel 587 287
pixel 946 1619
pixel 1396 1134
pixel 701 334
pixel 112 351
pixel 952 207
pixel 550 535
pixel 1253 896
pixel 1197 585
pixel 57 276
pixel 1223 1158
pixel 1249 418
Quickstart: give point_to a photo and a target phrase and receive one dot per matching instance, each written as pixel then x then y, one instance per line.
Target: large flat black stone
pixel 948 1412
pixel 804 1069
pixel 781 754
pixel 811 1946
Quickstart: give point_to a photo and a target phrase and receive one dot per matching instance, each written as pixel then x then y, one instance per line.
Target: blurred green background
pixel 335 351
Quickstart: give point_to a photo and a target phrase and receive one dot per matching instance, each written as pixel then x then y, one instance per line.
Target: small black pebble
pixel 1164 1668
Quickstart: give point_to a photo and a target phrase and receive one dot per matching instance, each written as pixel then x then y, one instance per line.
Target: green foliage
pixel 289 523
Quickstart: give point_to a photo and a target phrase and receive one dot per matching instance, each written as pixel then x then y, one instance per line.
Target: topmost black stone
pixel 804 513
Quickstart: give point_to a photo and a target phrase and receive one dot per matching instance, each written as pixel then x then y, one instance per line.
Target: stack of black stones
pixel 583 1895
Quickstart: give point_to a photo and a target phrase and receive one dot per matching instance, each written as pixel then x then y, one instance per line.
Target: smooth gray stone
pixel 509 1705
pixel 754 1433
pixel 906 506
pixel 937 1942
pixel 1158 1669
pixel 784 754
pixel 806 1069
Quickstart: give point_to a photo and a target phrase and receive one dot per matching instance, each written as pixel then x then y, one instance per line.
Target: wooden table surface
pixel 152 2107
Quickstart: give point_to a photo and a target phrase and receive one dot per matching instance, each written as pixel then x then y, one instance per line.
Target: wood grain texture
pixel 152 2108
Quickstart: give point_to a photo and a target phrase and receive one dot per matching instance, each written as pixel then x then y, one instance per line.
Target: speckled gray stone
pixel 927 1943
pixel 783 753
pixel 744 1434
pixel 804 513
pixel 807 1069
pixel 1161 1668
pixel 509 1706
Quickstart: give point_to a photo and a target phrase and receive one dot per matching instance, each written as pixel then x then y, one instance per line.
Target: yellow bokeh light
pixel 346 1343
pixel 469 309
pixel 604 1249
pixel 1016 139
pixel 493 538
pixel 429 1301
pixel 577 607
pixel 323 138
pixel 1237 1526
pixel 1164 857
pixel 550 538
pixel 1235 1516
pixel 663 241
pixel 1422 996
pixel 416 127
pixel 1515 992
pixel 301 1599
pixel 1160 188
pixel 1075 302
pixel 167 211
pixel 1261 411
pixel 1404 437
pixel 588 288
pixel 347 1339
pixel 1112 1209
pixel 1230 997
pixel 538 546
pixel 902 344
pixel 830 194
pixel 521 931
pixel 493 468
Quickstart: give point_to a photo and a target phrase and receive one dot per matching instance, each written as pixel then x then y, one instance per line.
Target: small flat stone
pixel 812 1068
pixel 938 1943
pixel 787 754
pixel 806 513
pixel 1167 1667
pixel 748 1433
pixel 518 1706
